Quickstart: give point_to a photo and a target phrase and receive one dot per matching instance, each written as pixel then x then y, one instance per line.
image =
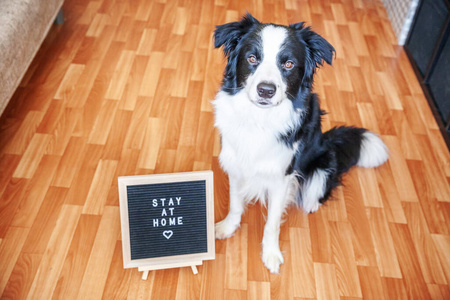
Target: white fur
pixel 272 39
pixel 313 191
pixel 373 151
pixel 256 162
pixel 251 150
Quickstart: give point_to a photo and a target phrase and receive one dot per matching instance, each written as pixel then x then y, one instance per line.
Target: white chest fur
pixel 251 149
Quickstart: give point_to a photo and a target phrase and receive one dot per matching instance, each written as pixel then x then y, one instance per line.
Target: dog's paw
pixel 225 229
pixel 272 259
pixel 311 207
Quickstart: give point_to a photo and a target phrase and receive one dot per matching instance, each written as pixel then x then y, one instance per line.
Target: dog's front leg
pixel 226 228
pixel 271 254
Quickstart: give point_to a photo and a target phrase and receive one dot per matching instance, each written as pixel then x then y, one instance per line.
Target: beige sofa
pixel 23 27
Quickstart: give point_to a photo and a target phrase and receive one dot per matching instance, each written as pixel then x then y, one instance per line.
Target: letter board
pixel 167 218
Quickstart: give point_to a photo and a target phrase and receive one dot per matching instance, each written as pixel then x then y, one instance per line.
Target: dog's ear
pixel 318 50
pixel 228 35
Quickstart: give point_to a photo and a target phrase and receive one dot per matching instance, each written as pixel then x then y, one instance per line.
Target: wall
pixel 401 14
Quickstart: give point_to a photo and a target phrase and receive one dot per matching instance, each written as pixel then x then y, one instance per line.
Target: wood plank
pixel 81 184
pixel 303 276
pixel 369 187
pixel 140 289
pixel 67 85
pixel 387 260
pixel 213 282
pixel 103 123
pixel 133 84
pixel 10 248
pixel 368 117
pixel 407 256
pixel 400 170
pixel 392 203
pixel 394 288
pixel 152 140
pixel 434 170
pixel 326 282
pixel 77 257
pixel 121 73
pixel 96 198
pixel 135 135
pixel 173 116
pixel 236 258
pixel 442 243
pixel 258 290
pixel 408 142
pixel 118 281
pixel 371 284
pixel 205 138
pixel 95 276
pixel 45 221
pixel 22 137
pixel 358 40
pixel 8 164
pixel 63 131
pixel 392 97
pixel 428 259
pixel 11 198
pixel 32 156
pixel 188 285
pixel 344 260
pixel 154 66
pixel 439 291
pixel 51 265
pixel 163 277
pixel 147 40
pixel 362 240
pixel 35 192
pixel 321 244
pixel 21 278
pixel 69 163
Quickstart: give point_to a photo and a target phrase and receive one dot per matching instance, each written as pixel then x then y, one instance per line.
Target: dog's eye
pixel 252 60
pixel 288 65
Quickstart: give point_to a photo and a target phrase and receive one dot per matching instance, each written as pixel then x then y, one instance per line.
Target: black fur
pixel 229 36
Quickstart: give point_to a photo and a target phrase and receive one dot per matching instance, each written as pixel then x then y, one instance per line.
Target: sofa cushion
pixel 23 27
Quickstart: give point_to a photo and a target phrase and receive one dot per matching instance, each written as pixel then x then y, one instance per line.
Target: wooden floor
pixel 123 88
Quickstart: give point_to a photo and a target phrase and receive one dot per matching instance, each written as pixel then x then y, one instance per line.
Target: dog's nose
pixel 266 90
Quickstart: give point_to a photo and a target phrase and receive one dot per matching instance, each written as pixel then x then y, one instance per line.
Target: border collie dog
pixel 273 148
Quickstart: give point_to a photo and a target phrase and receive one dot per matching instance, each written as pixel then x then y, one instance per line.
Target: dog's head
pixel 271 62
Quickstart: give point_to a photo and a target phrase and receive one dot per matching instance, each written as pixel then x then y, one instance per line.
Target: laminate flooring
pixel 124 88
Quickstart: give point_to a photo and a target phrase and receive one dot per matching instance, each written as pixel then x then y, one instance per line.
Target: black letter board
pixel 167 219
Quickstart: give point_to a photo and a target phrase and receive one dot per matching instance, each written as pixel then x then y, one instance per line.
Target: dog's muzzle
pixel 265 91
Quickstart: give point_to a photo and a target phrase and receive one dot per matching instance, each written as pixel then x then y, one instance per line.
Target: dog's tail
pixel 356 146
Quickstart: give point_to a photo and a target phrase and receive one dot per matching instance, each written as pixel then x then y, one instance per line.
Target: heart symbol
pixel 168 234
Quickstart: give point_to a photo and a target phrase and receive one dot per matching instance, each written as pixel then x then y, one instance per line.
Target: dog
pixel 272 145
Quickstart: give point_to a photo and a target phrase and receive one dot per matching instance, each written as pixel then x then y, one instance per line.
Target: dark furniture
pixel 428 48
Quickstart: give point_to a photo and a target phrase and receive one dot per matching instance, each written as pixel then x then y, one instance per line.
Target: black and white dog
pixel 273 148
